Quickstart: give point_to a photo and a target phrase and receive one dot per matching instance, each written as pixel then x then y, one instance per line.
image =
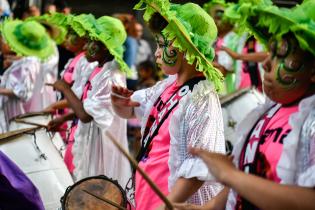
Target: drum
pixel 235 107
pixel 31 148
pixel 33 119
pixel 97 193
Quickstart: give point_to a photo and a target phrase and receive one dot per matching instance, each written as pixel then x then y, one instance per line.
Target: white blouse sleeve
pixel 198 123
pixel 22 79
pixel 98 102
pixel 147 97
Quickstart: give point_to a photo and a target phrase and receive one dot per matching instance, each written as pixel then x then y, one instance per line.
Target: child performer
pixel 93 152
pixel 274 156
pixel 182 110
pixel 18 84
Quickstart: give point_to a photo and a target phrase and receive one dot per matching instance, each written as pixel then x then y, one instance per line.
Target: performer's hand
pixel 54 125
pixel 121 97
pixel 61 85
pixel 219 165
pixel 49 109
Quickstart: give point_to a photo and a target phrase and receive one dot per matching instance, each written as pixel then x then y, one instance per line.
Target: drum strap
pixel 153 125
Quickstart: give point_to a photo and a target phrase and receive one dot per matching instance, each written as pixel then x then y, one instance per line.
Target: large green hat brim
pixel 81 24
pixel 176 32
pixel 8 28
pixel 56 22
pixel 95 33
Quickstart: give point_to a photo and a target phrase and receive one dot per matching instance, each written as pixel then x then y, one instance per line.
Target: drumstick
pixel 49 84
pixel 31 123
pixel 118 96
pixel 105 200
pixel 143 174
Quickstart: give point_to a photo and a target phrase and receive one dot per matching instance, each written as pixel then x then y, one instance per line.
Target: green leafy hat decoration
pixel 207 6
pixel 27 38
pixel 265 20
pixel 82 24
pixel 108 30
pixel 192 31
pixel 57 22
pixel 113 34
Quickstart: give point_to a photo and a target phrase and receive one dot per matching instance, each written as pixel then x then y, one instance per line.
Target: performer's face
pixel 5 48
pixel 168 58
pixel 96 51
pixel 74 43
pixel 289 71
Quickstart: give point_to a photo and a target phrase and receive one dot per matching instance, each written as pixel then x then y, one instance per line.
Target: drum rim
pixel 16 133
pixel 63 200
pixel 227 99
pixel 29 114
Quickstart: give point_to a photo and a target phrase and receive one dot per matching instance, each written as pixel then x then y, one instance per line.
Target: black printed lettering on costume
pixel 276 133
pixel 284 136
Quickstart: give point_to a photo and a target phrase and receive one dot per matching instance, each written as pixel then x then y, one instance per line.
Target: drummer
pixel 93 152
pixel 180 110
pixel 18 84
pixel 76 73
pixel 274 156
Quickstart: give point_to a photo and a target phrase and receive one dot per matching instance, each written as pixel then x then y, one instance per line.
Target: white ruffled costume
pixel 197 122
pixel 50 72
pixel 93 152
pixel 20 77
pixel 297 162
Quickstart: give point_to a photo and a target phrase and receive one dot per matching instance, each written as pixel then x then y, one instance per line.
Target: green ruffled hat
pixel 110 31
pixel 207 6
pixel 27 38
pixel 57 22
pixel 192 31
pixel 82 24
pixel 265 20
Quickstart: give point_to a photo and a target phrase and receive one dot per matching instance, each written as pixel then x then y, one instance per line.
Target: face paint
pixel 169 56
pixel 93 49
pixel 287 80
pixel 287 66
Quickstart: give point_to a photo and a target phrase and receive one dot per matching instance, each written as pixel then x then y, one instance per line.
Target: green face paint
pixel 169 56
pixel 289 81
pixel 287 66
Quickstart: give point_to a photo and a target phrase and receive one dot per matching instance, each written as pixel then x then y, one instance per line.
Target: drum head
pixel 95 193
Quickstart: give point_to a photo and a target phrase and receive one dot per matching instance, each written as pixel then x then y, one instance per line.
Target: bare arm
pixel 74 102
pixel 7 92
pixel 254 57
pixel 183 189
pixel 216 203
pixel 57 105
pixel 269 195
pixel 263 193
pixel 54 125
